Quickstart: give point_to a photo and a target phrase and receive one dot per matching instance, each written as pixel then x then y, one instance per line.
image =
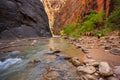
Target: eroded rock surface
pixel 23 18
pixel 75 9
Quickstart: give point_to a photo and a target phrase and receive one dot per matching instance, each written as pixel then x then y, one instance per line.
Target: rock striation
pixel 52 8
pixel 75 9
pixel 23 18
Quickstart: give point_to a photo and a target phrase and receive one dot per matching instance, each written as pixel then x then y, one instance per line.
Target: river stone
pixel 86 69
pixel 65 37
pixel 72 38
pixel 102 79
pixel 34 61
pixel 95 64
pixel 88 77
pixel 50 58
pixel 50 75
pixel 84 50
pixel 115 51
pixel 105 69
pixel 112 78
pixel 56 51
pixel 66 57
pixel 91 77
pixel 91 62
pixel 53 74
pixel 13 53
pixel 78 45
pixel 117 70
pixel 107 47
pixel 75 61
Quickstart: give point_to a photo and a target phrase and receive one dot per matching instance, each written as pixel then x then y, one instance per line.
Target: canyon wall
pixel 52 8
pixel 23 18
pixel 74 9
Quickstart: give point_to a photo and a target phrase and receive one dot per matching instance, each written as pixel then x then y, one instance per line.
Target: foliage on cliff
pixel 95 23
pixel 90 23
pixel 114 18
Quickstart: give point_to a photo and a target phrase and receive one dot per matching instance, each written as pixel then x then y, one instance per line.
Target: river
pixel 15 65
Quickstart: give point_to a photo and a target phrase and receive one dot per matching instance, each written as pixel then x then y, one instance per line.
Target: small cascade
pixel 7 63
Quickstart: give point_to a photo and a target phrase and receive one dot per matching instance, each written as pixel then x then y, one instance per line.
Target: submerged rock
pixel 91 62
pixel 75 61
pixel 34 61
pixel 52 75
pixel 66 57
pixel 56 51
pixel 13 53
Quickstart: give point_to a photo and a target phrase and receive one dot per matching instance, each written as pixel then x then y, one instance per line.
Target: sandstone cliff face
pixel 23 18
pixel 74 9
pixel 52 7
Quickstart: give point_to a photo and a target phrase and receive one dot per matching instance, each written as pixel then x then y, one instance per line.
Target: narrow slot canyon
pixel 59 40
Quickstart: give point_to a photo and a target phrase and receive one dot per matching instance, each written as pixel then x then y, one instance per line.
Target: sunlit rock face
pixel 23 18
pixel 52 8
pixel 74 9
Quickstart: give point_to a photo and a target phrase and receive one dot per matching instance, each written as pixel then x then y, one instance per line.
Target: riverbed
pixel 16 54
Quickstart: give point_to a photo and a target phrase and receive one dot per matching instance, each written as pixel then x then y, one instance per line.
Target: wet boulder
pixel 75 61
pixel 13 53
pixel 34 61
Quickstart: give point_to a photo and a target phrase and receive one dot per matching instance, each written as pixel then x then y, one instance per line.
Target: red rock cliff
pixel 52 7
pixel 74 9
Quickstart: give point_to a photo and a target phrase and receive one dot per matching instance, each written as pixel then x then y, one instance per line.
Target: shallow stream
pixel 16 66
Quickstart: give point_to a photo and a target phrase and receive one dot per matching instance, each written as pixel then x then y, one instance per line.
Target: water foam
pixel 7 63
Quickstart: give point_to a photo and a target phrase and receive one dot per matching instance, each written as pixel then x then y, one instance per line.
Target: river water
pixel 16 64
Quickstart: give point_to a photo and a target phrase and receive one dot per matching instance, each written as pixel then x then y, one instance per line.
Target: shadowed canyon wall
pixel 23 18
pixel 74 9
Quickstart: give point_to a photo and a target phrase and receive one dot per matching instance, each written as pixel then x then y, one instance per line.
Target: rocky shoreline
pixel 105 71
pixel 88 69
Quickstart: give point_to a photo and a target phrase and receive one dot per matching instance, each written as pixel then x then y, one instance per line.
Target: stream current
pixel 15 65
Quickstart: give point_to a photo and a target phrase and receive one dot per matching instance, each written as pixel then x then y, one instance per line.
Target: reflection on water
pixel 65 47
pixel 24 71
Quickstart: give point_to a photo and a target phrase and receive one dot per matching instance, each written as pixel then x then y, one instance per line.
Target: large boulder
pixel 23 18
pixel 115 51
pixel 105 69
